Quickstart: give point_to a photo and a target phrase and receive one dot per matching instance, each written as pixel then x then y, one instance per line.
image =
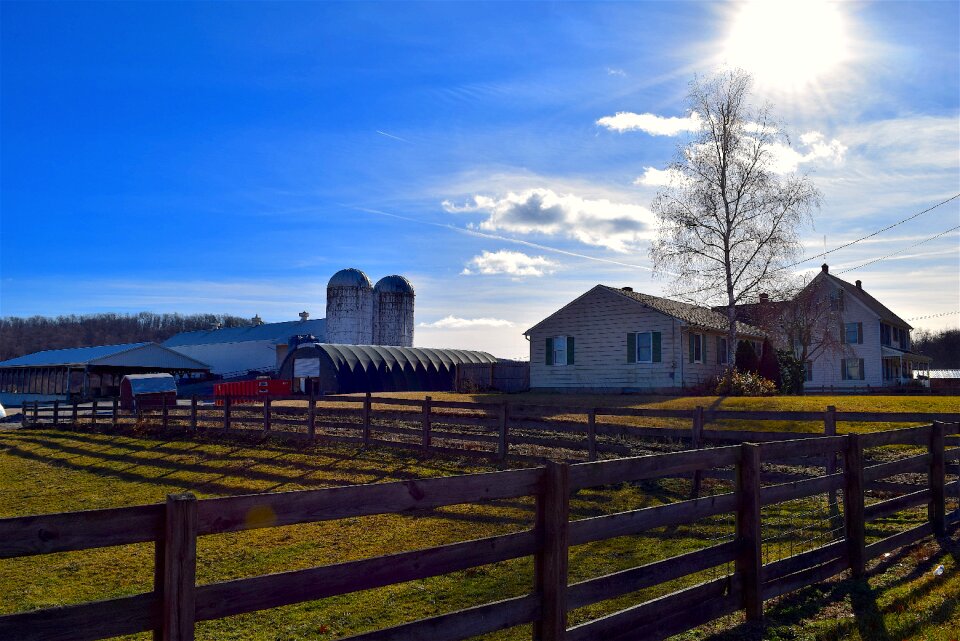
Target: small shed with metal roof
pixel 87 372
pixel 320 368
pixel 139 391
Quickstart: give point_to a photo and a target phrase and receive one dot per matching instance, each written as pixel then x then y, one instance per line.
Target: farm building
pixel 322 368
pixel 140 391
pixel 358 313
pixel 616 340
pixel 944 381
pixel 86 372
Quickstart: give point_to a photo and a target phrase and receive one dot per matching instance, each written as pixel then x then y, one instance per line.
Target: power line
pixel 899 251
pixel 916 318
pixel 879 231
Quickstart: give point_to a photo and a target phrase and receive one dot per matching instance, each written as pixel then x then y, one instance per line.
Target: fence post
pixel 592 435
pixel 226 412
pixel 550 561
pixel 56 413
pixel 936 511
pixel 503 445
pixel 116 412
pixel 164 414
pixel 830 429
pixel 93 414
pixel 23 414
pixel 426 423
pixel 36 411
pixel 367 407
pixel 749 560
pixel 853 505
pixel 180 568
pixel 193 413
pixel 312 418
pixel 696 442
pixel 73 413
pixel 266 415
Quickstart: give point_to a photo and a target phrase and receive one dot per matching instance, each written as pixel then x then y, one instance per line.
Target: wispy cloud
pixel 601 223
pixel 455 322
pixel 611 71
pixel 653 177
pixel 509 262
pixel 652 124
pixel 383 133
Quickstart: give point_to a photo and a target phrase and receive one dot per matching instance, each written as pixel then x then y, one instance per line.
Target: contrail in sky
pixel 473 232
pixel 383 133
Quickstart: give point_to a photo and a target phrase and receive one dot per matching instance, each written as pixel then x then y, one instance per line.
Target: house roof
pixel 128 354
pixel 945 373
pixel 275 332
pixel 872 303
pixel 694 315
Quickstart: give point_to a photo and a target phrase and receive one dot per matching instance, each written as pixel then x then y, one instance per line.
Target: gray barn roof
pixel 129 354
pixel 275 332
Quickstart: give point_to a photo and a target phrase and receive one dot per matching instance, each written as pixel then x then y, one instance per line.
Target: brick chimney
pixel 859 284
pixel 825 268
pixel 626 289
pixel 764 298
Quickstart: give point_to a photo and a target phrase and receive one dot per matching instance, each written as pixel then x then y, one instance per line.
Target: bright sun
pixel 787 44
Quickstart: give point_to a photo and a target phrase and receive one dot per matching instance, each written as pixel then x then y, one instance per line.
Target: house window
pixel 836 301
pixel 721 351
pixel 559 350
pixel 808 371
pixel 644 347
pixel 885 334
pixel 696 348
pixel 851 369
pixel 853 333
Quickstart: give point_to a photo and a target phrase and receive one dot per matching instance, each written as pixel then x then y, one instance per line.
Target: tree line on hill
pixel 19 336
pixel 942 346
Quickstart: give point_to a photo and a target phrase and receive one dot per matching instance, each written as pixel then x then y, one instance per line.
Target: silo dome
pixel 350 277
pixel 395 284
pixel 393 298
pixel 349 308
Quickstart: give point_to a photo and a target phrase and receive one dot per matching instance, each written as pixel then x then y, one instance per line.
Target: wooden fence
pixel 484 430
pixel 177 602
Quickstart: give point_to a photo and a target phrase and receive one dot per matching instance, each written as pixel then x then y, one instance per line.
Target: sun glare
pixel 787 44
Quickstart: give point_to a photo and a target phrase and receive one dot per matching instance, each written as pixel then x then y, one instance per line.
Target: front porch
pixel 902 368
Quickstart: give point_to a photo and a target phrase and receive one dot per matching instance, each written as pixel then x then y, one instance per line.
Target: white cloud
pixel 598 222
pixel 650 123
pixel 814 147
pixel 653 177
pixel 616 72
pixel 455 322
pixel 509 262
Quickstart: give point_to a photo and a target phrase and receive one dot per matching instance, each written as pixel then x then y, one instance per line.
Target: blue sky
pixel 229 157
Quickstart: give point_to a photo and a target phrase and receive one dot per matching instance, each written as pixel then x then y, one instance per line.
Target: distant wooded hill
pixel 942 346
pixel 19 336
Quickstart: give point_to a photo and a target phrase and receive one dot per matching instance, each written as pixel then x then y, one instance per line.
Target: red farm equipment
pixel 254 391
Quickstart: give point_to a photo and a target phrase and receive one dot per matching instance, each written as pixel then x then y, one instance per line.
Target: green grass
pixel 45 471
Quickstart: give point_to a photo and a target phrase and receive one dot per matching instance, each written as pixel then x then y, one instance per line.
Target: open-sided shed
pixel 147 390
pixel 343 369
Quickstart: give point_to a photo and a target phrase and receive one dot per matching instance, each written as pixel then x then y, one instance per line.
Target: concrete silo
pixel 349 308
pixel 393 312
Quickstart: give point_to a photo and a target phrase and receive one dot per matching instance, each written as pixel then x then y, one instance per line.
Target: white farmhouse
pixel 617 340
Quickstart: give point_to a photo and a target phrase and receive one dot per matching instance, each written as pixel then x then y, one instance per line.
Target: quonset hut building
pixel 358 313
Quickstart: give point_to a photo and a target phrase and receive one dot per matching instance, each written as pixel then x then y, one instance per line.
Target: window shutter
pixel 631 348
pixel 860 333
pixel 862 373
pixel 569 350
pixel 549 360
pixel 843 369
pixel 656 347
pixel 690 341
pixel 843 333
pixel 703 349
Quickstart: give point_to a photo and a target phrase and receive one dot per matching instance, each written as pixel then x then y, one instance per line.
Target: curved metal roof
pixel 394 284
pixel 350 277
pixel 382 368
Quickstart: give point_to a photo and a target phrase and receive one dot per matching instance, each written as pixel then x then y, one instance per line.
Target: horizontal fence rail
pixel 177 602
pixel 491 431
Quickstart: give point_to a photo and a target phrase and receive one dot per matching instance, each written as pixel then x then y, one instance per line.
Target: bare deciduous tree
pixel 729 220
pixel 806 320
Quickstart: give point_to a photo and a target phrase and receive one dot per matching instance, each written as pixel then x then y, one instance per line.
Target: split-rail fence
pixel 176 603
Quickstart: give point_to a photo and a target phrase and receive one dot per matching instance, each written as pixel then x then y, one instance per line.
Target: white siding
pixel 599 321
pixel 226 358
pixel 826 367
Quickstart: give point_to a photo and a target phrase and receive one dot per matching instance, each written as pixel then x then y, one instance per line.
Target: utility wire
pixel 915 318
pixel 879 231
pixel 899 251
